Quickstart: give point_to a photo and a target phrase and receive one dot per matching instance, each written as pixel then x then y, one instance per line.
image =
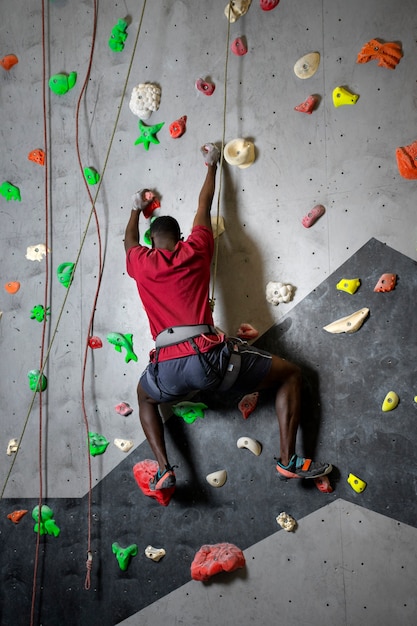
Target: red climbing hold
pixel 177 128
pixel 205 87
pixel 143 473
pixel 95 342
pixel 307 106
pixel 248 403
pixel 16 516
pixel 323 484
pixel 268 5
pixel 213 559
pixel 239 47
pixel 150 208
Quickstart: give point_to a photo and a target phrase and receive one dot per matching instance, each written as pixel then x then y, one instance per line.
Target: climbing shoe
pixel 299 467
pixel 163 480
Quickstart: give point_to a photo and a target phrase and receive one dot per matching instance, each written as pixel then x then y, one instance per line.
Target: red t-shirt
pixel 174 287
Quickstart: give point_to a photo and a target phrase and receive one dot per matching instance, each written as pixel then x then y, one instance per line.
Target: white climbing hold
pixel 278 292
pixel 12 446
pixel 36 252
pixel 250 444
pixel 124 444
pixel 217 479
pixel 349 324
pixel 286 522
pixel 307 65
pixel 155 554
pixel 144 100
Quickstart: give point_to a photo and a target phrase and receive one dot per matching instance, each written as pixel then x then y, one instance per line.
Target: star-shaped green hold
pixel 148 134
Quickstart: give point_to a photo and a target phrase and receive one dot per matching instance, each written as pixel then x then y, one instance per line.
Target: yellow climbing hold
pixel 350 285
pixel 356 483
pixel 391 401
pixel 342 96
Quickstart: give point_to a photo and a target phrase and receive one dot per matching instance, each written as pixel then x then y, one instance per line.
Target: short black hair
pixel 166 225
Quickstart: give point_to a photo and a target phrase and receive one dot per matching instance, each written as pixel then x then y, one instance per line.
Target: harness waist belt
pixel 178 334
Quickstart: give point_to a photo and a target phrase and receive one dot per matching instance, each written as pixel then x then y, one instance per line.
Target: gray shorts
pixel 167 381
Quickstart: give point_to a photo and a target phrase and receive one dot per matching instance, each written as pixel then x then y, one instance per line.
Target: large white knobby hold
pixel 286 522
pixel 278 292
pixel 250 444
pixel 155 554
pixel 144 100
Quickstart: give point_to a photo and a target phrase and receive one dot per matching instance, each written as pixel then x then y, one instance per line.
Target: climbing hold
pixel 36 252
pixel 236 9
pixel 390 402
pixel 10 192
pixel 189 411
pixel 250 444
pixel 350 285
pixel 155 554
pixel 95 342
pixel 240 152
pixel 12 446
pixel 268 5
pixel 61 83
pixel 8 61
pixel 123 444
pixel 307 65
pixel 150 208
pixel 45 524
pixel 386 282
pixel 407 161
pixel 37 382
pixel 217 479
pixel 119 341
pixel 177 128
pixel 286 522
pixel 213 559
pixel 118 36
pixel 97 443
pixel 205 87
pixel 143 472
pixel 313 215
pixel 16 516
pixel 349 324
pixel 148 134
pixel 239 46
pixel 145 99
pixel 387 54
pixel 342 96
pixel 91 175
pixel 277 293
pixel 248 403
pixel 147 235
pixel 12 286
pixel 37 156
pixel 124 408
pixel 308 105
pixel 124 555
pixel 217 225
pixel 65 273
pixel 39 313
pixel 323 484
pixel 246 332
pixel 356 483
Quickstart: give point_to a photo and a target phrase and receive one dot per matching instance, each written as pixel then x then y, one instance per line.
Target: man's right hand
pixel 211 153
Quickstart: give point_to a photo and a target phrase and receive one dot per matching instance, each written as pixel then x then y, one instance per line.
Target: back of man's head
pixel 166 226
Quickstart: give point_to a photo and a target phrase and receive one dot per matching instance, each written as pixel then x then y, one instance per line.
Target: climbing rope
pixel 216 249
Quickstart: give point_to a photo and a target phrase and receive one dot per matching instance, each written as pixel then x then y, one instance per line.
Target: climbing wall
pixel 342 157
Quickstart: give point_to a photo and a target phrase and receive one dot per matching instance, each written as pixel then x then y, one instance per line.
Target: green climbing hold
pixel 65 273
pixel 91 175
pixel 45 524
pixel 148 134
pixel 123 555
pixel 36 381
pixel 9 191
pixel 97 443
pixel 39 313
pixel 118 36
pixel 189 411
pixel 61 83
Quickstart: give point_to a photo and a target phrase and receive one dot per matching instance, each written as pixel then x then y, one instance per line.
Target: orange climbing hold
pixel 37 156
pixel 12 287
pixel 323 484
pixel 8 61
pixel 307 106
pixel 177 128
pixel 386 282
pixel 407 160
pixel 16 516
pixel 213 559
pixel 248 403
pixel 387 54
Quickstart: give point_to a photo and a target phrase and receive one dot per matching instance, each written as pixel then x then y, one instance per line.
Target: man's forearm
pixel 206 196
pixel 132 230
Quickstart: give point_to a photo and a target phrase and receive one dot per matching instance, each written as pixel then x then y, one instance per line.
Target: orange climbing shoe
pixel 299 467
pixel 163 480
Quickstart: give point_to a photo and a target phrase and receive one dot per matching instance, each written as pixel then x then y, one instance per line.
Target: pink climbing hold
pixel 248 403
pixel 268 5
pixel 307 106
pixel 323 484
pixel 143 473
pixel 124 409
pixel 239 47
pixel 205 86
pixel 313 215
pixel 386 282
pixel 213 559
